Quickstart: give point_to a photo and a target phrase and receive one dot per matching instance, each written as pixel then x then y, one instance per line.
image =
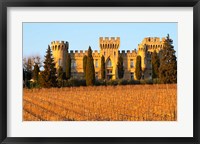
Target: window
pixel 109 72
pixel 131 63
pixel 150 76
pixel 104 53
pixel 96 75
pixel 114 54
pixel 73 63
pixel 109 63
pixel 132 76
pixel 96 63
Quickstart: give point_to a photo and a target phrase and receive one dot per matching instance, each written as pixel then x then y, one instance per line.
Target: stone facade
pixel 109 47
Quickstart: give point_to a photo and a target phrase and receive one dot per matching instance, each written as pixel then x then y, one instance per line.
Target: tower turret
pixel 59 49
pixel 142 51
pixel 109 49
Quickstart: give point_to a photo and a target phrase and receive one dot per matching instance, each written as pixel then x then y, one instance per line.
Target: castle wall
pixel 109 48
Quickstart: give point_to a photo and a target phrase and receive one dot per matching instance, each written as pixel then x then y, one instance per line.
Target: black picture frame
pixel 98 3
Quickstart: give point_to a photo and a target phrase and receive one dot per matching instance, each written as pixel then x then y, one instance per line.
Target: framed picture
pixel 99 71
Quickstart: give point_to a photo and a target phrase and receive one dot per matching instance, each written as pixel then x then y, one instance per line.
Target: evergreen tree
pixel 23 75
pixel 90 71
pixel 138 69
pixel 36 71
pixel 168 63
pixel 103 71
pixel 61 76
pixel 68 66
pixel 28 68
pixel 48 76
pixel 84 64
pixel 120 67
pixel 155 64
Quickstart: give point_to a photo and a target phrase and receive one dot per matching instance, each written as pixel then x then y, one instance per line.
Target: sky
pixel 37 36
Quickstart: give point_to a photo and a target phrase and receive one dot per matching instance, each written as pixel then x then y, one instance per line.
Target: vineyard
pixel 101 103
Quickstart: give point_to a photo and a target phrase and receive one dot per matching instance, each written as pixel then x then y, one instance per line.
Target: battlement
pixel 153 40
pixel 109 39
pixel 81 52
pixel 58 42
pixel 127 51
pixel 112 42
pixel 59 45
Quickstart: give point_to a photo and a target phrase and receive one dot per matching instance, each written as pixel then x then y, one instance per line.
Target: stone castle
pixel 109 47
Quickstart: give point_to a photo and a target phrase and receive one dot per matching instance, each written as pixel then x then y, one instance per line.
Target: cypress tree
pixel 155 64
pixel 168 63
pixel 120 67
pixel 90 72
pixel 84 65
pixel 103 71
pixel 68 66
pixel 48 76
pixel 138 69
pixel 60 74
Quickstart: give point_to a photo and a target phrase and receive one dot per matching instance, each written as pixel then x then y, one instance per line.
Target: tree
pixel 103 71
pixel 90 72
pixel 168 63
pixel 23 75
pixel 84 65
pixel 120 67
pixel 61 77
pixel 36 71
pixel 68 66
pixel 48 76
pixel 138 69
pixel 28 68
pixel 37 60
pixel 155 64
pixel 60 73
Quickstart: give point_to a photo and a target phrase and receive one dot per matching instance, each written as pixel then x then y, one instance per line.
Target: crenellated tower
pixel 59 49
pixel 109 48
pixel 142 51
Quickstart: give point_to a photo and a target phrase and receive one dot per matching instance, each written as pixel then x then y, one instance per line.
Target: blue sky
pixel 37 36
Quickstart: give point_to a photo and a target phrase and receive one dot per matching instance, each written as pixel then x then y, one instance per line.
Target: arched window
pixel 131 63
pixel 109 64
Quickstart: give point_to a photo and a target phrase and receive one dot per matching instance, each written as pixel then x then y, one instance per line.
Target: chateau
pixel 109 47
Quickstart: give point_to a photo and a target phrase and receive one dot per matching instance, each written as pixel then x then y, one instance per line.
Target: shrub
pixel 122 82
pixel 112 82
pixel 74 82
pixel 133 82
pixel 146 81
pixel 100 82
